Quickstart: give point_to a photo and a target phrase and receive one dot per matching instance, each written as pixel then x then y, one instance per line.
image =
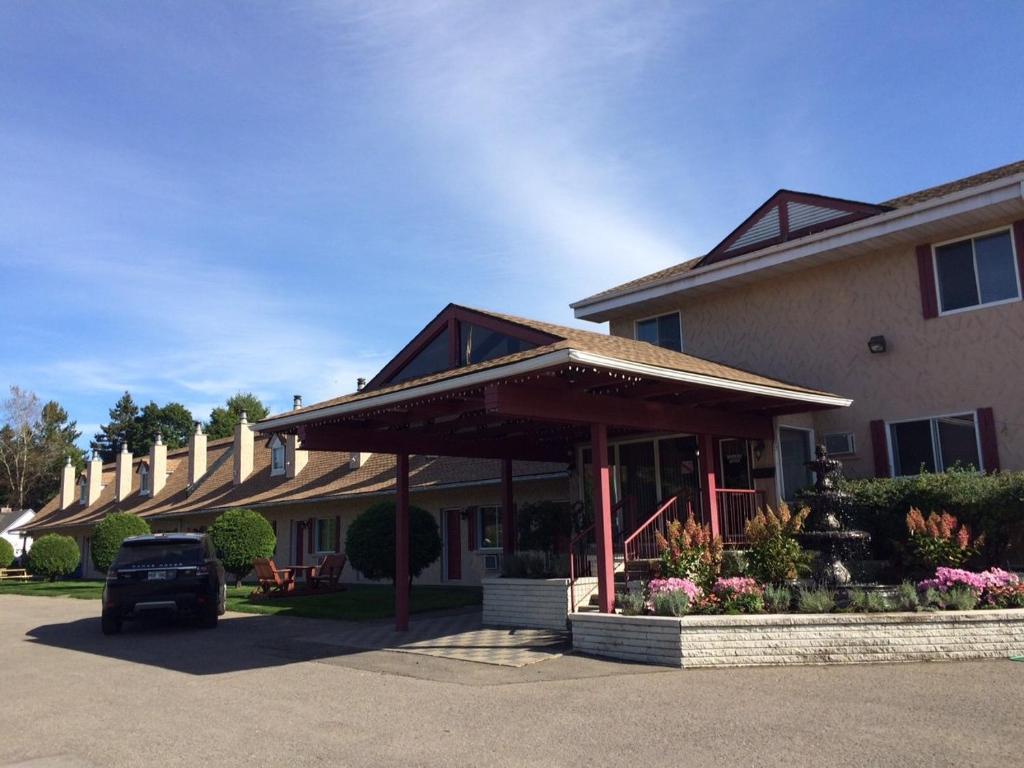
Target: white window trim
pixel 480 528
pixel 977 282
pixel 780 484
pixel 936 454
pixel 679 319
pixel 277 446
pixel 316 537
pixel 144 487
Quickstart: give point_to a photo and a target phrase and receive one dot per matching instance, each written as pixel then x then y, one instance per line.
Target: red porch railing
pixel 735 507
pixel 642 544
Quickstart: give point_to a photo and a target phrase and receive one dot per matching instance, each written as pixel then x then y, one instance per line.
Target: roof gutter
pixel 890 222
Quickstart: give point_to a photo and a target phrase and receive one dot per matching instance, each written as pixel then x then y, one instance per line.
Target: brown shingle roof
pixel 913 198
pixel 627 350
pixel 326 475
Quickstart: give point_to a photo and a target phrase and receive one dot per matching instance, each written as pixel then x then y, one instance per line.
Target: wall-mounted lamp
pixel 876 344
pixel 758 450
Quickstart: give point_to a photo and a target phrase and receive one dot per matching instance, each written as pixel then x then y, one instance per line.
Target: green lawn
pixel 357 603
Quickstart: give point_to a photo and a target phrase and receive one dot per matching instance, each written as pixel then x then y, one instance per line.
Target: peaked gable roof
pixel 787 215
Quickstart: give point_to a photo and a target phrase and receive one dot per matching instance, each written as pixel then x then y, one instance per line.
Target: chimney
pixel 124 473
pixel 360 383
pixel 157 466
pixel 294 457
pixel 243 450
pixel 196 455
pixel 356 460
pixel 296 402
pixel 67 484
pixel 94 474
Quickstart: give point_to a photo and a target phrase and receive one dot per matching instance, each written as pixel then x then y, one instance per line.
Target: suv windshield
pixel 159 553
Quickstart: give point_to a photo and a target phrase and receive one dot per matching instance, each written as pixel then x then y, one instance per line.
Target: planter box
pixel 774 639
pixel 532 603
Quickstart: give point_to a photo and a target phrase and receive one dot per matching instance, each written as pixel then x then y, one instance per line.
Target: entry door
pixel 679 471
pixel 734 459
pixel 453 544
pixel 639 481
pixel 300 547
pixel 794 452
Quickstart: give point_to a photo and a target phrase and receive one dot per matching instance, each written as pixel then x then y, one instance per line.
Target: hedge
pixel 6 553
pixel 108 535
pixel 990 504
pixel 240 536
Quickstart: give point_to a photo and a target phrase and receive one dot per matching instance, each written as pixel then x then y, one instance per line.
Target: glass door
pixel 734 458
pixel 679 471
pixel 794 453
pixel 639 482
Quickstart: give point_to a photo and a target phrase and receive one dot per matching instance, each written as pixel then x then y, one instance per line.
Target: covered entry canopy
pixel 481 384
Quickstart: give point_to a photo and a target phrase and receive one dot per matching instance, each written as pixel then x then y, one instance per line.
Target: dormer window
pixel 143 480
pixel 276 456
pixel 83 491
pixel 664 331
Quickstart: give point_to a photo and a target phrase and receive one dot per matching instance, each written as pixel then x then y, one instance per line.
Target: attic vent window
pixel 143 480
pixel 767 228
pixel 83 492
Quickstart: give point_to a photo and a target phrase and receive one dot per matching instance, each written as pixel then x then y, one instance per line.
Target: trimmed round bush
pixel 240 536
pixel 370 541
pixel 53 556
pixel 110 532
pixel 6 553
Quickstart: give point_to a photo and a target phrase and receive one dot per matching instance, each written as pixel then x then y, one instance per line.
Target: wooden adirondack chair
pixel 273 580
pixel 328 571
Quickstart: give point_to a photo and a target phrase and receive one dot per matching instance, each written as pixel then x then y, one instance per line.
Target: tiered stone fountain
pixel 825 530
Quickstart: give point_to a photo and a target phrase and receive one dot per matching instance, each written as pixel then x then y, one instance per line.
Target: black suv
pixel 168 572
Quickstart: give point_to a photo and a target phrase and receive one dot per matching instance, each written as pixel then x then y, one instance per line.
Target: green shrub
pixel 240 536
pixel 960 599
pixel 544 526
pixel 906 597
pixel 535 565
pixel 868 601
pixel 734 563
pixel 53 556
pixel 631 603
pixel 777 599
pixel 673 603
pixel 370 541
pixel 818 600
pixel 989 504
pixel 108 535
pixel 774 556
pixel 6 553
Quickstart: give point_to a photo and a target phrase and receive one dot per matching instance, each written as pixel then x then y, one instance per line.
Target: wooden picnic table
pixel 14 574
pixel 308 571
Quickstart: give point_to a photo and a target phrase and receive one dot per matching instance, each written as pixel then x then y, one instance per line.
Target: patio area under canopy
pixel 485 385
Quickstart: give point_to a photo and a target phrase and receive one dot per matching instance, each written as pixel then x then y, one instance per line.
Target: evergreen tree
pixel 173 421
pixel 223 419
pixel 55 440
pixel 123 425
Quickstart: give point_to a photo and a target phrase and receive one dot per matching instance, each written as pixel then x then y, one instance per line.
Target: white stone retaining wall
pixel 532 603
pixel 773 639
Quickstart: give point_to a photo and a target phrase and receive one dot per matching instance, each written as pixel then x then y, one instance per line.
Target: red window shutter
pixel 337 533
pixel 987 438
pixel 880 447
pixel 926 277
pixel 1018 240
pixel 471 528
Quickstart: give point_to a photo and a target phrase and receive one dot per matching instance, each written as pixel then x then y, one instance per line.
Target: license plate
pixel 159 575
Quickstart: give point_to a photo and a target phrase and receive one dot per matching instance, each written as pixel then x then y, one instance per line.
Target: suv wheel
pixel 223 603
pixel 110 623
pixel 208 618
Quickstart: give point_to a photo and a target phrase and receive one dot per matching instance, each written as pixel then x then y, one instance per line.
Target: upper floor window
pixel 662 331
pixel 276 456
pixel 935 444
pixel 143 480
pixel 977 271
pixel 83 492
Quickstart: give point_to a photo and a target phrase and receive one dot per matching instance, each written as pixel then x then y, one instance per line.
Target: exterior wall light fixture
pixel 877 345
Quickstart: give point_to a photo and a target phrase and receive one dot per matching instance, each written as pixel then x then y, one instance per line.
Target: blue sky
pixel 201 198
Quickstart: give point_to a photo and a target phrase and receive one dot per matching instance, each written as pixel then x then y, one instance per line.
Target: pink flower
pixel 692 591
pixel 737 585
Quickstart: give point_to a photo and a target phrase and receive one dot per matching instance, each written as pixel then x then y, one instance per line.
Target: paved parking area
pixel 274 691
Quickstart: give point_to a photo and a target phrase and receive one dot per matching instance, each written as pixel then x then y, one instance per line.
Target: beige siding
pixel 812 327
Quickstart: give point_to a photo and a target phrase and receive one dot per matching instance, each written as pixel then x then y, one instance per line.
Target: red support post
pixel 707 468
pixel 508 510
pixel 402 544
pixel 603 518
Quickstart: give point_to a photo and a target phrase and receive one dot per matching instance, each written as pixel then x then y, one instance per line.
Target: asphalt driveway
pixel 259 692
